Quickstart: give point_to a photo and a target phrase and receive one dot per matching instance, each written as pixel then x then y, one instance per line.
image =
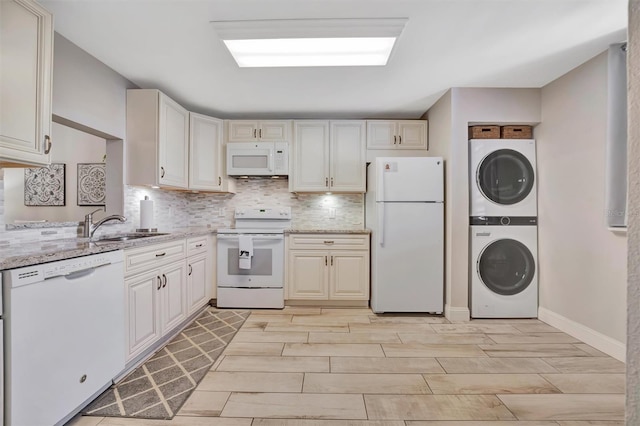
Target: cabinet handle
pixel 190 270
pixel 159 282
pixel 260 133
pixel 400 140
pixel 47 144
pixel 331 182
pixel 161 172
pixel 325 261
pixel 331 260
pixel 199 245
pixel 161 254
pixel 328 241
pixel 326 182
pixel 394 139
pixel 254 132
pixel 219 181
pixel 165 280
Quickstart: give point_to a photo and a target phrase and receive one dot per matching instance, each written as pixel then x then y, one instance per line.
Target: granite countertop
pixel 327 231
pixel 33 253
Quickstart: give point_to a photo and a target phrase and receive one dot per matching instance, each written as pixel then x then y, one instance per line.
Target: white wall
pixel 87 92
pixel 72 147
pixel 582 265
pixel 471 106
pixel 633 257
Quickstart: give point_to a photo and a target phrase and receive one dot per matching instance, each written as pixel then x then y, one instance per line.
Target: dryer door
pixel 506 267
pixel 505 176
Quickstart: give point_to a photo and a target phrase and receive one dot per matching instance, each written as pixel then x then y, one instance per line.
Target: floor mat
pixel 158 388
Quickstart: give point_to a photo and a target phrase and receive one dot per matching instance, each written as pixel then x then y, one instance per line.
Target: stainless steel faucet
pixel 90 228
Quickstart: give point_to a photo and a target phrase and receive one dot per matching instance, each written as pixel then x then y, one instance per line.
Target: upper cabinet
pixel 253 130
pixel 157 140
pixel 328 156
pixel 206 165
pixel 26 49
pixel 397 134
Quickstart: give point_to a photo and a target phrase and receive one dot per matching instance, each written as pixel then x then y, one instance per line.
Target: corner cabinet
pixel 254 130
pixel 397 134
pixel 157 140
pixel 26 49
pixel 329 156
pixel 332 267
pixel 206 155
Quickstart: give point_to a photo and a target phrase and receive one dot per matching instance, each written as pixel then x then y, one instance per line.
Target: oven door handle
pixel 255 237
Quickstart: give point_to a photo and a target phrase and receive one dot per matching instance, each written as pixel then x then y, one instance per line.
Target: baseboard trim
pixel 589 336
pixel 457 314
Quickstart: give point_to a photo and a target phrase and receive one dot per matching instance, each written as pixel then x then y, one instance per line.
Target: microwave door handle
pixel 271 160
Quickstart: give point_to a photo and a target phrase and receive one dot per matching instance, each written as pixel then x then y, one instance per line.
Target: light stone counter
pixel 33 253
pixel 327 231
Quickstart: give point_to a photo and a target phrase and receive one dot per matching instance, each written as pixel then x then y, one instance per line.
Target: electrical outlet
pixel 332 212
pixel 222 212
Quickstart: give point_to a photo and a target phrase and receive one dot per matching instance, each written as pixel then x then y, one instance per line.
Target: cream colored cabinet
pixel 206 155
pixel 199 272
pixel 157 140
pixel 397 134
pixel 156 293
pixel 328 267
pixel 254 130
pixel 329 156
pixel 26 49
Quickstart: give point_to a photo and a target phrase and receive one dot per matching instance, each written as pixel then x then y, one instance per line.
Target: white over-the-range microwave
pixel 257 159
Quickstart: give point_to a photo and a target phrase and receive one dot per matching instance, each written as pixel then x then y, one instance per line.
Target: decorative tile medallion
pixel 159 387
pixel 45 186
pixel 91 184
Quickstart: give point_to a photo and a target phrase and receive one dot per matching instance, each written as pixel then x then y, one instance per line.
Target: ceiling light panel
pixel 310 42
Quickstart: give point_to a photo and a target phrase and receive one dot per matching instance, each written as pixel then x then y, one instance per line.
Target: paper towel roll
pixel 146 213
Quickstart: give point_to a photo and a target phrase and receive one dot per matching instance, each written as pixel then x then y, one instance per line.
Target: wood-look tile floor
pixel 331 367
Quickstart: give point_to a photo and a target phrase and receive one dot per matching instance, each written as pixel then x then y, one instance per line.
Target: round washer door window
pixel 505 176
pixel 506 267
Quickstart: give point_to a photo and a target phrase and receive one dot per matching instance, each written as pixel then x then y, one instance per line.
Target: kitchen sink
pixel 127 237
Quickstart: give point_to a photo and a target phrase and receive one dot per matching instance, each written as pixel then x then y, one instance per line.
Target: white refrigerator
pixel 405 212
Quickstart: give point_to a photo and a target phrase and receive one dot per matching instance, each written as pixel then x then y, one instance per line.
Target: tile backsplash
pixel 175 209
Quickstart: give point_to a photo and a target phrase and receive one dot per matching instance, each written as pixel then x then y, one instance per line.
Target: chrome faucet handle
pixel 89 216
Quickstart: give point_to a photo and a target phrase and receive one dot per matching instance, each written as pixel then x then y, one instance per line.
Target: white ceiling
pixel 170 45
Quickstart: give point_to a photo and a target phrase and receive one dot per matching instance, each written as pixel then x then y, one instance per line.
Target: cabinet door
pixel 349 275
pixel 274 131
pixel 381 134
pixel 348 162
pixel 173 295
pixel 310 156
pixel 26 48
pixel 143 312
pixel 308 274
pixel 205 139
pixel 173 149
pixel 197 291
pixel 412 134
pixel 243 130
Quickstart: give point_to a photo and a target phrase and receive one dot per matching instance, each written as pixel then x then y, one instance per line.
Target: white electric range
pixel 251 259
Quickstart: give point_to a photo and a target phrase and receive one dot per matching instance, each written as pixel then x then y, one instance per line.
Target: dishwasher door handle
pixel 78 274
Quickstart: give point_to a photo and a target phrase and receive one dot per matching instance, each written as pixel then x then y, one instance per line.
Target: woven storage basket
pixel 484 132
pixel 516 132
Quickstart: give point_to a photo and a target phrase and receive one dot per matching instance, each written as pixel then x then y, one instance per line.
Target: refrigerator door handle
pixel 381 224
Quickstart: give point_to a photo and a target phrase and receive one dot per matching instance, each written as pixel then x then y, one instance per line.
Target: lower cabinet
pixel 168 283
pixel 328 267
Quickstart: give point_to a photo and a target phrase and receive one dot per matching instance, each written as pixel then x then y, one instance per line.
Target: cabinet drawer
pixel 197 245
pixel 329 241
pixel 143 258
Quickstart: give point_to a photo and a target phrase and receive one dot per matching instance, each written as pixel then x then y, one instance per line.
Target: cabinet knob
pixel 47 144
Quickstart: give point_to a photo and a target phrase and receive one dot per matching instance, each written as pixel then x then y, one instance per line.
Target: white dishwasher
pixel 63 336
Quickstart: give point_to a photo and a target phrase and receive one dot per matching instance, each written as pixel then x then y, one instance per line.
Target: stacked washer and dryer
pixel 504 237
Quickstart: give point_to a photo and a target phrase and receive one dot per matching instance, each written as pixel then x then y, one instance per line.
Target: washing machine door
pixel 506 267
pixel 505 176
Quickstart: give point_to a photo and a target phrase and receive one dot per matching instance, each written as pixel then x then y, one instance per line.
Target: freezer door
pixel 408 259
pixel 409 179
